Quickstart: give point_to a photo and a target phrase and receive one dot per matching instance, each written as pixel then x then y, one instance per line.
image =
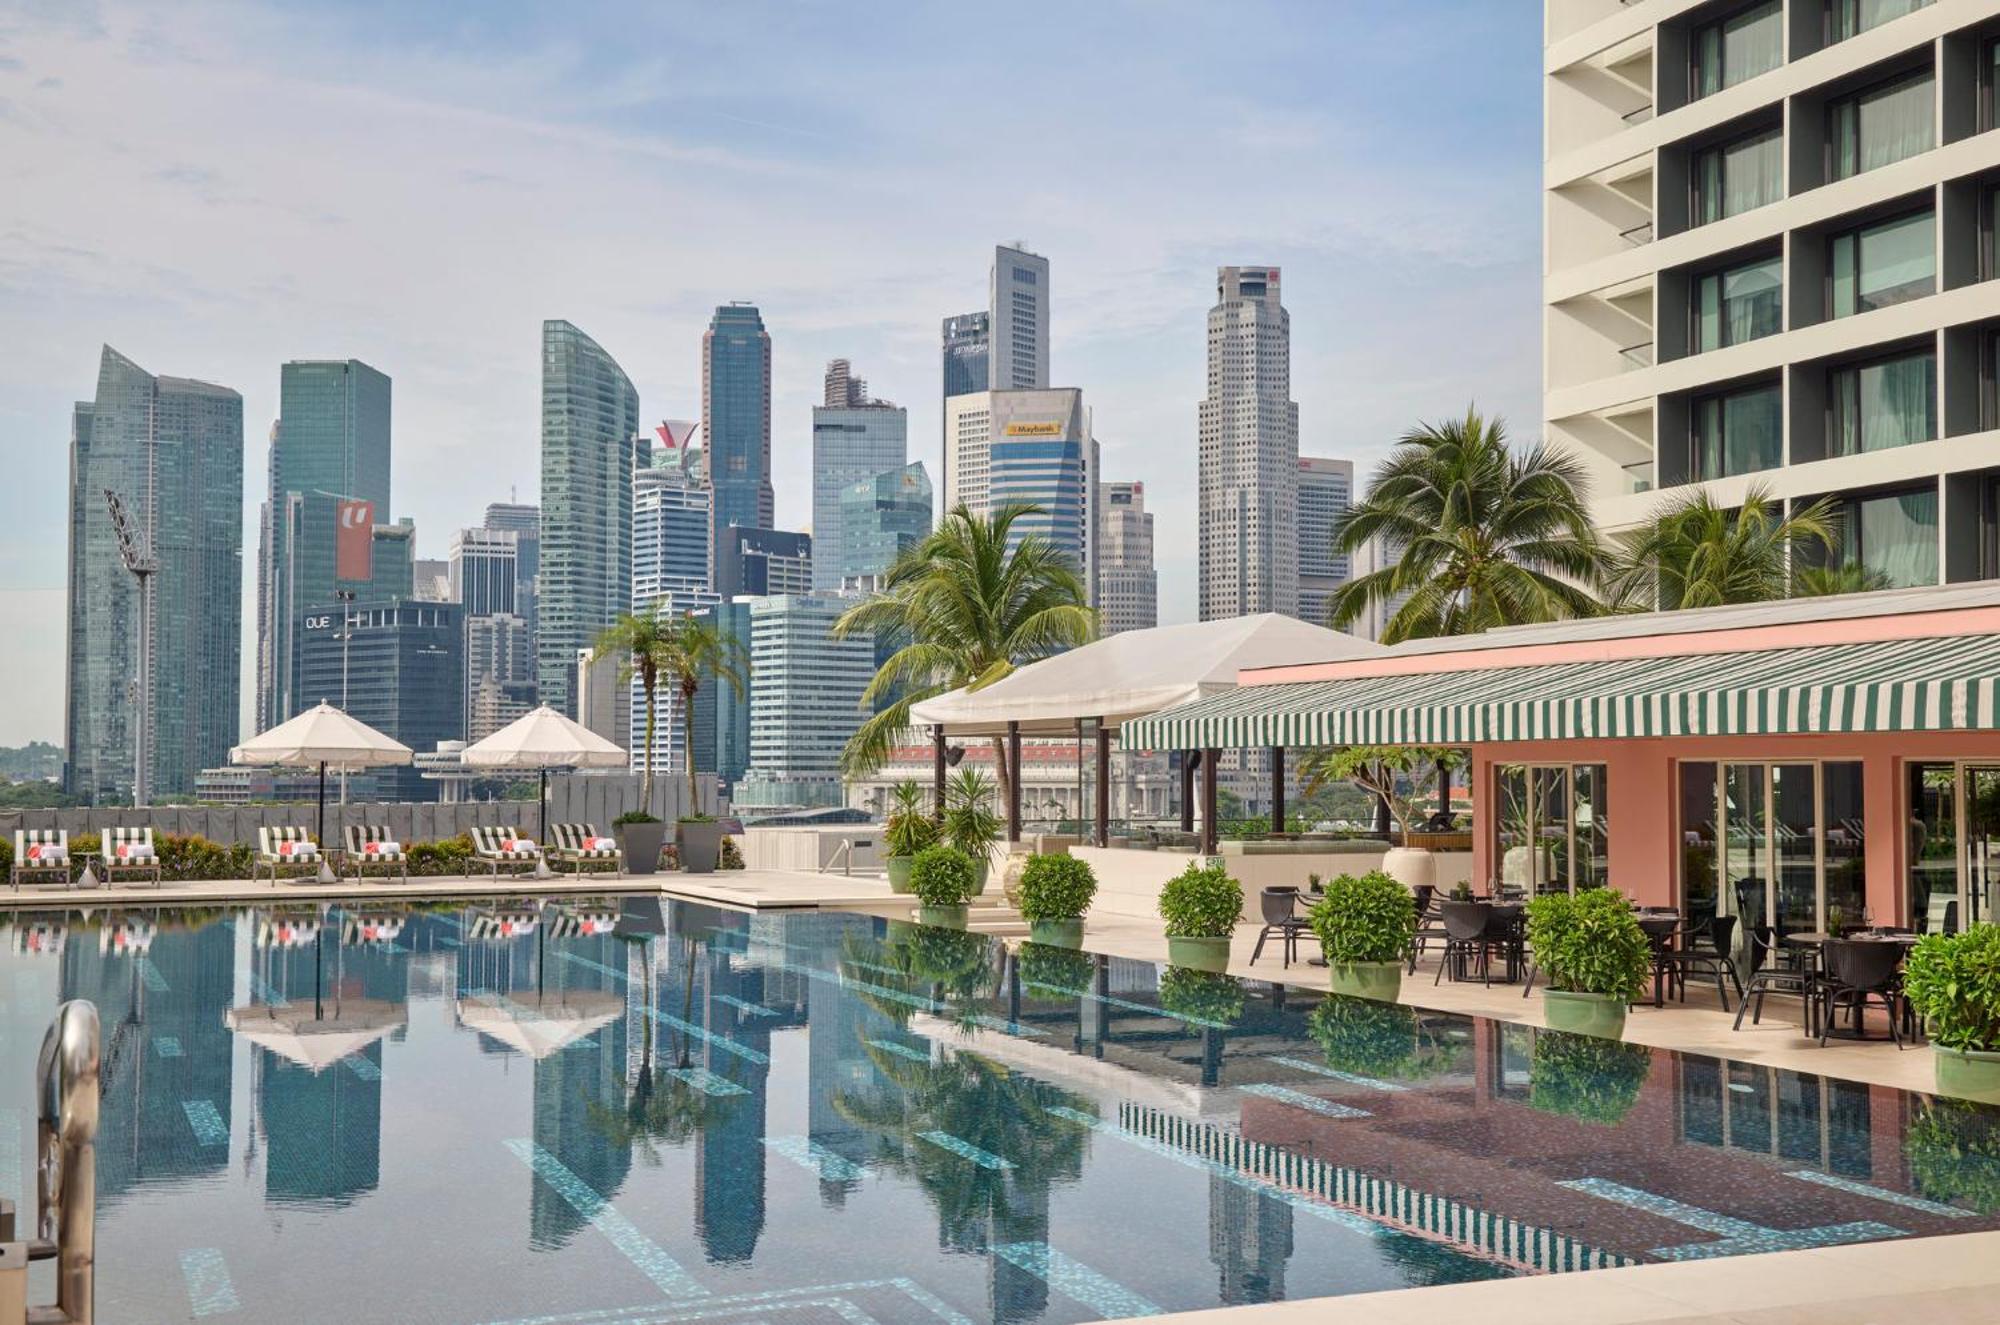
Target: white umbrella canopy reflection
pixel 538 741
pixel 539 1025
pixel 329 738
pixel 319 1034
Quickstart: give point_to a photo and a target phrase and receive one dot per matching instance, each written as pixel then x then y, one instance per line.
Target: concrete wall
pixel 1129 882
pixel 812 849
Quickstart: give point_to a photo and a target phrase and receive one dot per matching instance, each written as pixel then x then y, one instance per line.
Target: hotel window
pixel 1738 304
pixel 1736 432
pixel 1882 264
pixel 1551 830
pixel 1891 537
pixel 1882 125
pixel 1882 404
pixel 1989 86
pixel 1724 53
pixel 1735 177
pixel 1850 18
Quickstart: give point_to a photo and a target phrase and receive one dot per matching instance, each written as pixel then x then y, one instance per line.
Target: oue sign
pixel 318 622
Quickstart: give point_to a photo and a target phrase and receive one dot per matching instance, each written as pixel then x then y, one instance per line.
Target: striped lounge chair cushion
pixel 127 846
pixel 373 842
pixel 504 844
pixel 41 848
pixel 582 841
pixel 287 843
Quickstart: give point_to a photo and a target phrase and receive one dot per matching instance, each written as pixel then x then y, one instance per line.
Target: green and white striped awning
pixel 1946 684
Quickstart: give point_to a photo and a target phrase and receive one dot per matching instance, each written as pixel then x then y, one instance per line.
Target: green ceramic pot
pixel 1199 954
pixel 1381 981
pixel 944 917
pixel 1057 933
pixel 899 872
pixel 1967 1073
pixel 1584 1014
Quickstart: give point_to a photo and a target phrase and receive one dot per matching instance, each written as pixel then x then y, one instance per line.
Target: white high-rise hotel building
pixel 1249 452
pixel 1770 244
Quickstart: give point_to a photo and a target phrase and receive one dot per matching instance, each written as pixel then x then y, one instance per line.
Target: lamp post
pixel 346 597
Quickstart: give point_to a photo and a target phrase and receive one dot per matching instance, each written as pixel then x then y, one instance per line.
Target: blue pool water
pixel 635 1111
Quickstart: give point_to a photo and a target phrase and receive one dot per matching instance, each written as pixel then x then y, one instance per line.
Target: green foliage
pixel 1953 980
pixel 1242 829
pixel 7 854
pixel 635 817
pixel 36 795
pixel 1587 1077
pixel 697 817
pixel 910 827
pixel 1697 552
pixel 448 855
pixel 943 876
pixel 187 858
pixel 1201 902
pixel 1201 995
pixel 1372 918
pixel 1954 1151
pixel 1056 888
pixel 1055 973
pixel 1403 775
pixel 1590 943
pixel 1388 1041
pixel 1489 536
pixel 966 605
pixel 683 652
pixel 969 821
pixel 732 855
pixel 1461 891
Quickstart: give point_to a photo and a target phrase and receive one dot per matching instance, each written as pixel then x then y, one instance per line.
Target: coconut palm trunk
pixel 688 688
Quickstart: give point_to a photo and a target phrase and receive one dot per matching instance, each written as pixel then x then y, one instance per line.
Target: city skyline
pixel 1389 214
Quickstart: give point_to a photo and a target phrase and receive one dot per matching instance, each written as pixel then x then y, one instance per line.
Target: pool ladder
pixel 65 1178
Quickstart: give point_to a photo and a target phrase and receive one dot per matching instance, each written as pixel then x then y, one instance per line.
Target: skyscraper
pixel 1249 452
pixel 1018 304
pixel 483 566
pixel 172 449
pixel 1326 490
pixel 967 358
pixel 525 523
pixel 590 444
pixel 331 438
pixel 854 439
pixel 763 561
pixel 880 518
pixel 499 673
pixel 805 699
pixel 1033 447
pixel 671 573
pixel 736 418
pixel 1128 587
pixel 401 670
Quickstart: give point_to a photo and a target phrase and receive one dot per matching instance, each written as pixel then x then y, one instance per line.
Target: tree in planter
pixel 967 605
pixel 1201 902
pixel 1056 888
pixel 679 651
pixel 1590 943
pixel 1370 918
pixel 943 876
pixel 969 821
pixel 1403 777
pixel 1953 981
pixel 909 827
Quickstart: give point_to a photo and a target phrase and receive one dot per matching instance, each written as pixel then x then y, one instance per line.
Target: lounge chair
pixel 374 846
pixel 128 853
pixel 494 847
pixel 40 854
pixel 579 846
pixel 287 848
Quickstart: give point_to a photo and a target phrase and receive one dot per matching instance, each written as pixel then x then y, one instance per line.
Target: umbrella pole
pixel 325 874
pixel 542 870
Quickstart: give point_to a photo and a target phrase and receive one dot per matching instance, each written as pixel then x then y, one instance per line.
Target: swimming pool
pixel 635 1111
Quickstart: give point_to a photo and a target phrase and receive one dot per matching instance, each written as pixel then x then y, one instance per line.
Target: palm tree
pixel 1482 536
pixel 679 650
pixel 1698 553
pixel 967 604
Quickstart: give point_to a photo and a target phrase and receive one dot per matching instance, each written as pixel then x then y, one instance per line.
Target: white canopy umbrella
pixel 541 740
pixel 323 736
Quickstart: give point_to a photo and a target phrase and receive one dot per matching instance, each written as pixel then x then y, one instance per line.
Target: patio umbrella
pixel 327 737
pixel 542 740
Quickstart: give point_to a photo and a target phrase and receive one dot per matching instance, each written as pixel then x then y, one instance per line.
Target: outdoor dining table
pixel 1815 940
pixel 1660 925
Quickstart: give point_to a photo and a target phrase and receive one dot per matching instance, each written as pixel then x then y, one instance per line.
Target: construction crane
pixel 139 560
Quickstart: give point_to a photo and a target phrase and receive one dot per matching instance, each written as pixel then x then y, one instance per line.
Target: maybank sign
pixel 1035 429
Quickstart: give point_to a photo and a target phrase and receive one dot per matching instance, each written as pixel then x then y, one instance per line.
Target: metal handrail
pixel 1641 233
pixel 66 1161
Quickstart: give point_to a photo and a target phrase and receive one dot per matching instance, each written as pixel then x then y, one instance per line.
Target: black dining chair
pixel 1856 971
pixel 1775 969
pixel 1279 906
pixel 1705 951
pixel 1465 939
pixel 1429 925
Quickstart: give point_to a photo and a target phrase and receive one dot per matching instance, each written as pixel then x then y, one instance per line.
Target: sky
pixel 218 187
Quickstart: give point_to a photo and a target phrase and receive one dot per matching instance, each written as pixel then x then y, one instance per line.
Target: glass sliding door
pixel 1736 432
pixel 1844 864
pixel 1793 847
pixel 1739 176
pixel 1552 820
pixel 1746 859
pixel 1883 404
pixel 1698 821
pixel 1981 843
pixel 1738 304
pixel 1550 830
pixel 1743 45
pixel 1795 830
pixel 1932 862
pixel 1590 848
pixel 1889 262
pixel 1880 126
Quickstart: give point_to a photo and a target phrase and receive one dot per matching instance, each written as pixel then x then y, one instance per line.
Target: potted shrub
pixel 944 880
pixel 1953 981
pixel 1365 926
pixel 699 838
pixel 1595 956
pixel 1055 892
pixel 1586 1076
pixel 1201 906
pixel 909 830
pixel 969 821
pixel 1402 777
pixel 640 836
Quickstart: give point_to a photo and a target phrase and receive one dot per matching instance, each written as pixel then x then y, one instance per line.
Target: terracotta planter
pixel 1208 954
pixel 641 845
pixel 1584 1014
pixel 943 917
pixel 701 845
pixel 1413 867
pixel 1968 1073
pixel 1057 933
pixel 899 872
pixel 1381 981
